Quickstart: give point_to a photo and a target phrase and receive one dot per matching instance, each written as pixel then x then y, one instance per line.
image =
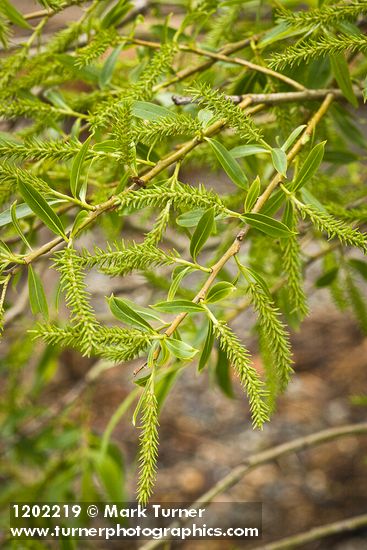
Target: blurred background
pixel 56 406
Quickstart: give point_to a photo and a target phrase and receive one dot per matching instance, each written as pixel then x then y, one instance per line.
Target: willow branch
pixel 221 55
pixel 276 98
pixel 274 453
pixel 246 303
pixel 190 71
pixel 336 528
pixel 236 245
pixel 161 165
pixel 245 63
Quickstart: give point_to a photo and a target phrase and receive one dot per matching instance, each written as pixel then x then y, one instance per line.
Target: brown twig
pixel 336 528
pixel 258 459
pixel 236 245
pixel 276 98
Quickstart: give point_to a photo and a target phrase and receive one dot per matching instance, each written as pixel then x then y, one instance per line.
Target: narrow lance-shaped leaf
pixel 202 232
pixel 340 69
pixel 309 167
pixel 252 194
pixel 37 298
pixel 115 14
pixel 176 280
pixel 14 15
pixel 149 111
pixel 108 67
pixel 279 159
pixel 359 266
pixel 207 348
pixel 267 225
pixel 327 278
pixel 293 136
pixel 17 227
pixel 76 168
pixel 223 373
pixel 122 311
pixel 180 349
pixel 219 291
pixel 80 219
pixel 178 306
pixel 229 164
pixel 247 150
pixel 189 219
pixel 41 208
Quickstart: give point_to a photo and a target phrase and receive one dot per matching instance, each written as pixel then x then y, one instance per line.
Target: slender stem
pixel 236 245
pixel 185 73
pixel 278 178
pixel 276 98
pixel 175 156
pixel 215 56
pixel 47 247
pixel 73 200
pixel 36 14
pixel 274 453
pixel 335 528
pixel 193 265
pixel 5 285
pixel 245 63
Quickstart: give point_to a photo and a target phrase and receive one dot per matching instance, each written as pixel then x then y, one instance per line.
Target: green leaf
pixel 14 15
pixel 340 70
pixel 55 97
pixel 106 146
pixel 359 266
pixel 146 313
pixel 309 167
pixel 279 32
pixel 150 111
pixel 17 226
pixel 247 150
pixel 272 205
pixel 327 278
pixel 252 194
pixel 115 14
pixel 164 383
pixel 207 348
pixel 309 198
pixel 293 136
pixel 279 159
pixel 41 208
pixel 5 250
pixel 22 211
pixel 248 272
pixel 202 232
pixel 178 306
pixel 123 312
pixel 78 222
pixel 205 116
pixel 229 164
pixel 109 66
pixel 111 474
pixel 76 169
pixel 177 278
pixel 190 219
pixel 347 124
pixel 271 227
pixel 180 349
pixel 288 214
pixel 37 297
pixel 219 291
pixel 223 373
